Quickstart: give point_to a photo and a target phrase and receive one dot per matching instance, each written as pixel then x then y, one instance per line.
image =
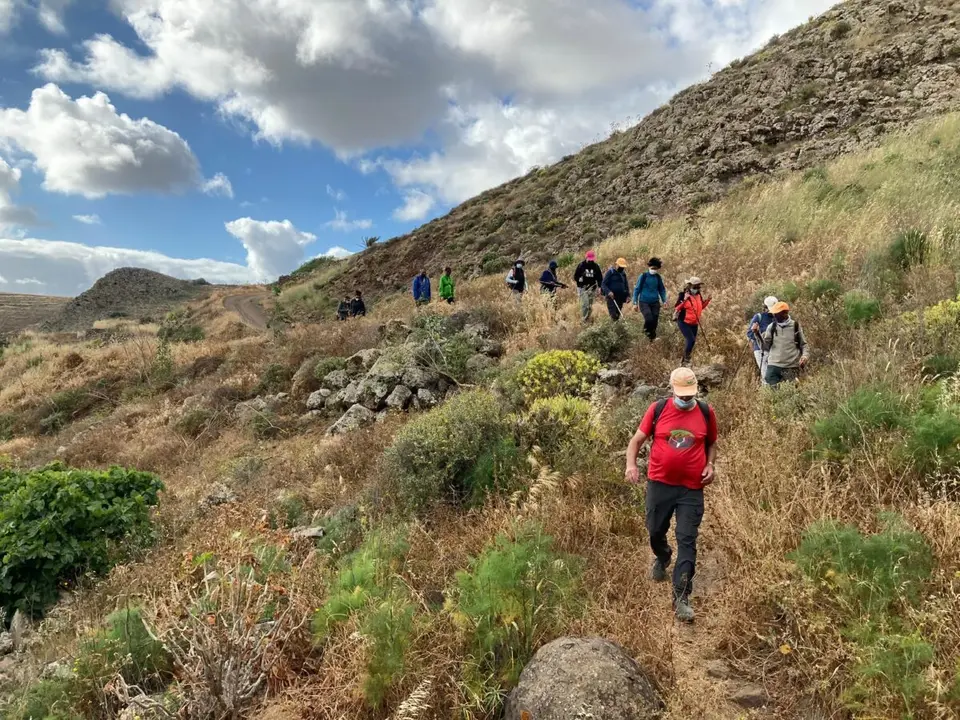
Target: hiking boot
pixel 683 610
pixel 658 573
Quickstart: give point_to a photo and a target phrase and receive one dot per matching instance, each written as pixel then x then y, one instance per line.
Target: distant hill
pixel 127 292
pixel 841 82
pixel 19 312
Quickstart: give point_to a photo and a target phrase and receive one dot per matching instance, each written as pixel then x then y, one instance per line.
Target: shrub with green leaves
pixel 176 327
pixel 275 378
pixel 567 430
pixel 909 249
pixel 870 408
pixel 824 289
pixel 559 372
pixel 327 365
pixel 605 340
pixel 941 365
pixel 432 457
pixel 514 597
pixel 933 440
pixel 860 308
pixel 57 523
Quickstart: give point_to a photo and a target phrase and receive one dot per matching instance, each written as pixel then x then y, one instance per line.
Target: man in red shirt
pixel 684 432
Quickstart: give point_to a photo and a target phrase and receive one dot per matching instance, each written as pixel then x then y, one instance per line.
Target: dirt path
pixel 249 309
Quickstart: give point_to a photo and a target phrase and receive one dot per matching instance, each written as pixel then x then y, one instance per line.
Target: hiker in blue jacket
pixel 758 325
pixel 616 289
pixel 649 295
pixel 421 288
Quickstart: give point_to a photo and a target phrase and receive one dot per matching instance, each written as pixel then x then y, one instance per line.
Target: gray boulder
pixel 710 376
pixel 6 643
pixel 390 367
pixel 583 678
pixel 350 395
pixel 20 628
pixel 491 348
pixel 648 392
pixel 363 360
pixel 220 494
pixel 394 331
pixel 337 380
pixel 424 399
pixel 400 398
pixel 614 377
pixel 418 377
pixel 318 400
pixel 374 391
pixel 355 418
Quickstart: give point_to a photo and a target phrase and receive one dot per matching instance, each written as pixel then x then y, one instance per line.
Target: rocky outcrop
pixel 583 678
pixel 355 418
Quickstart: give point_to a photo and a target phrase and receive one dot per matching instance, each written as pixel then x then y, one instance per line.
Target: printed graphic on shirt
pixel 681 439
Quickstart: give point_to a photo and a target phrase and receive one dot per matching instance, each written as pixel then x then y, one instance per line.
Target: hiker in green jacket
pixel 446 285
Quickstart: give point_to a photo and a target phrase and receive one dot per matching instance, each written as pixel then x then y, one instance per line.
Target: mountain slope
pixel 18 312
pixel 841 82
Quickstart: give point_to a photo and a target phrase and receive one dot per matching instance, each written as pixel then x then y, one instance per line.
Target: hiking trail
pixel 249 309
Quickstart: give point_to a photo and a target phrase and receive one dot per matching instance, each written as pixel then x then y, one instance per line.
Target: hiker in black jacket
pixel 588 277
pixel 343 309
pixel 548 280
pixel 357 307
pixel 616 288
pixel 517 279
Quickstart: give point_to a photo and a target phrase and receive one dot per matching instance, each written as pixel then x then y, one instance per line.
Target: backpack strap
pixel 796 335
pixel 643 279
pixel 705 409
pixel 657 412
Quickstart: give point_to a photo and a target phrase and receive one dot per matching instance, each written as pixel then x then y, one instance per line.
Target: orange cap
pixel 779 308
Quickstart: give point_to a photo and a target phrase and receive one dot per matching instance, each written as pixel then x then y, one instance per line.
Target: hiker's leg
pixel 689 514
pixel 649 328
pixel 654 319
pixel 586 304
pixel 774 375
pixel 690 336
pixel 613 309
pixel 661 502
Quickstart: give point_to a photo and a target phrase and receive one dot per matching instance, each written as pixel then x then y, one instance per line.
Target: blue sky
pixel 233 140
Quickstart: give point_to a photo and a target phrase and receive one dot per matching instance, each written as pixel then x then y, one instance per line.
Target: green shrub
pixel 265 425
pixel 870 408
pixel 933 440
pixel 515 596
pixel 891 668
pixel 559 372
pixel 162 370
pixel 566 260
pixel 638 222
pixel 176 327
pixel 840 29
pixel 124 647
pixel 909 249
pixel 194 423
pixel 431 458
pixel 507 384
pixel 606 341
pixel 623 420
pixel 824 289
pixel 57 523
pixel 500 467
pixel 567 430
pixel 327 365
pixel 274 379
pixel 860 308
pixel 289 510
pixel 941 365
pixel 47 700
pixel 342 531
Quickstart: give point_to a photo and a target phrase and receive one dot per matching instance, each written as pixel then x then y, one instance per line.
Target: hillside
pixel 127 293
pixel 19 312
pixel 840 83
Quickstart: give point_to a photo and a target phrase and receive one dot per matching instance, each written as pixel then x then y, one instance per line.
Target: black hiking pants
pixel 651 318
pixel 615 306
pixel 663 502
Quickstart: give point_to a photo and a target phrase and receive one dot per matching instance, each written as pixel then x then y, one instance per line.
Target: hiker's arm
pixel 636 291
pixel 633 451
pixel 663 290
pixel 766 340
pixel 709 473
pixel 804 348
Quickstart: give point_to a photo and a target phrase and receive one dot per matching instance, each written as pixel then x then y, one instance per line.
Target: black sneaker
pixel 658 573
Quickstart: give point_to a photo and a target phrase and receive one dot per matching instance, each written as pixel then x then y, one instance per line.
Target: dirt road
pixel 249 309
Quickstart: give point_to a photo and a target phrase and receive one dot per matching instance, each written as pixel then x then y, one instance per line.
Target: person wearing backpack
pixel 588 277
pixel 688 312
pixel 548 280
pixel 446 288
pixel 343 309
pixel 683 430
pixel 517 279
pixel 358 308
pixel 648 295
pixel 758 325
pixel 616 288
pixel 785 345
pixel 421 289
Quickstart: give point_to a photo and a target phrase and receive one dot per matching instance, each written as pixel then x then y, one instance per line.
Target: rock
pixel 602 394
pixel 363 360
pixel 647 392
pixel 194 402
pixel 219 495
pixel 400 398
pixel 583 678
pixel 355 418
pixel 305 380
pixel 20 628
pixel 479 363
pixel 710 376
pixel 349 396
pixel 309 533
pixel 245 411
pixel 476 330
pixel 417 378
pixel 717 669
pixel 374 392
pixel 6 643
pixel 749 695
pixel 394 331
pixel 337 380
pixel 7 665
pixel 614 377
pixel 491 348
pixel 56 670
pixel 390 368
pixel 425 399
pixel 318 400
pixel 275 401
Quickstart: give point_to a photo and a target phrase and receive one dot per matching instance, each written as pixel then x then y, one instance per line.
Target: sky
pixel 235 139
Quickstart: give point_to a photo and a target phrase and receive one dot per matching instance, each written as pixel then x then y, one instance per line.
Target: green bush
pixel 327 365
pixel 891 668
pixel 870 408
pixel 432 456
pixel 47 700
pixel 559 372
pixel 840 29
pixel 194 423
pixel 606 341
pixel 567 430
pixel 274 379
pixel 941 365
pixel 342 531
pixel 933 440
pixel 824 289
pixel 909 249
pixel 507 381
pixel 566 260
pixel 499 468
pixel 860 308
pixel 514 597
pixel 57 523
pixel 176 327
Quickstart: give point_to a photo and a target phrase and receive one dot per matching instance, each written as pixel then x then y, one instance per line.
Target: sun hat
pixel 694 281
pixel 684 382
pixel 779 308
pixel 621 262
pixel 591 255
pixel 770 302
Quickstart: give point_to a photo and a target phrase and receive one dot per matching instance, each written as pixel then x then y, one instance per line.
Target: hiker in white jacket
pixel 785 345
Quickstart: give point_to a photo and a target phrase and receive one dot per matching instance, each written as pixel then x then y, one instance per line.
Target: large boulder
pixel 355 418
pixel 400 398
pixel 318 400
pixel 393 332
pixel 374 391
pixel 614 377
pixel 350 395
pixel 583 678
pixel 710 376
pixel 336 380
pixel 363 361
pixel 416 378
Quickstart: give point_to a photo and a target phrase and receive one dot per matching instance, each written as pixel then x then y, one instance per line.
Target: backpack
pixel 680 314
pixel 796 333
pixel 509 278
pixel 662 405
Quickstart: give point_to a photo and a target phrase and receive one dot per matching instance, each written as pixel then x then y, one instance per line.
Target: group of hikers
pixel 351 307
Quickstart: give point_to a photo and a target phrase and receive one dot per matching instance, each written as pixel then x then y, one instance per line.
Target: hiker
pixel 446 286
pixel 421 289
pixel 684 448
pixel 588 276
pixel 648 296
pixel 343 309
pixel 758 325
pixel 548 280
pixel 357 307
pixel 616 288
pixel 785 345
pixel 688 312
pixel 517 279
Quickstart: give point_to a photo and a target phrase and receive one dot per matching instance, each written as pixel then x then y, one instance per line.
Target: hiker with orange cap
pixel 785 345
pixel 616 288
pixel 680 466
pixel 588 277
pixel 688 312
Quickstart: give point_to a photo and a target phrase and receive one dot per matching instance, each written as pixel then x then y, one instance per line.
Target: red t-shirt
pixel 678 454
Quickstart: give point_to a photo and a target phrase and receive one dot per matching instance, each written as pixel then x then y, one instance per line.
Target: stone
pixel 710 376
pixel 6 643
pixel 20 628
pixel 749 695
pixel 349 396
pixel 425 399
pixel 389 368
pixel 400 398
pixel 416 378
pixel 647 392
pixel 308 533
pixel 614 377
pixel 56 670
pixel 245 411
pixel 355 418
pixel 394 331
pixel 363 360
pixel 491 348
pixel 583 678
pixel 220 494
pixel 479 363
pixel 602 394
pixel 476 330
pixel 336 380
pixel 7 664
pixel 318 400
pixel 717 669
pixel 374 392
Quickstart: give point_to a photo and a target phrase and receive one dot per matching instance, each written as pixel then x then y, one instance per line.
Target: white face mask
pixel 653 271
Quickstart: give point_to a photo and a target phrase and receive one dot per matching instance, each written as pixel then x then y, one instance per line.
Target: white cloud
pixel 337 252
pixel 336 194
pixel 273 248
pixel 29 281
pixel 88 219
pixel 219 184
pixel 341 223
pixel 8 13
pixel 84 147
pixel 13 216
pixel 416 205
pixel 50 13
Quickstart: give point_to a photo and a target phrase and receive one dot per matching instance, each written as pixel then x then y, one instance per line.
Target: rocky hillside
pixel 18 312
pixel 127 293
pixel 841 82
